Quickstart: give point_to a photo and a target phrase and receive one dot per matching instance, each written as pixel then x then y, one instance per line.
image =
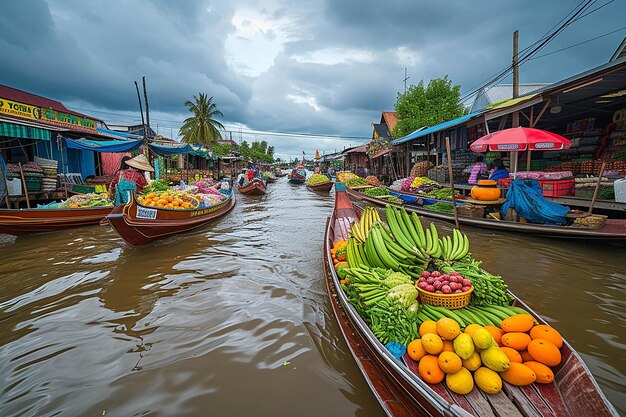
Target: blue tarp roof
pixel 120 134
pixel 436 128
pixel 179 149
pixel 103 145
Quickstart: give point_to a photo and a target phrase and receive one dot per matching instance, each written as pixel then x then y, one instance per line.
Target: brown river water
pixel 233 319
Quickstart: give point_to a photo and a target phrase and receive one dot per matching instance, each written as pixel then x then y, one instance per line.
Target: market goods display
pixel 395 200
pixel 356 182
pixel 419 181
pixel 372 180
pixel 176 200
pixel 440 207
pixel 346 176
pixel 440 194
pixel 376 191
pixel 156 186
pixel 420 169
pixel 317 179
pixel 84 201
pixel 387 269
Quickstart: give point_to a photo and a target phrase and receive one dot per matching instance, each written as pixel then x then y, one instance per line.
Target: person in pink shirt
pixel 479 168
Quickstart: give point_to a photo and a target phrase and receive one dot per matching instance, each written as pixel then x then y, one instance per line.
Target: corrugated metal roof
pixel 501 92
pixel 436 128
pixel 14 94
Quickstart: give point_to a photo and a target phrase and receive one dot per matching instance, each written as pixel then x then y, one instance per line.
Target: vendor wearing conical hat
pixel 131 169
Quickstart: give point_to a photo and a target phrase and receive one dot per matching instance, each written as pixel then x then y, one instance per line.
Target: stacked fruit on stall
pixel 176 200
pixel 372 180
pixel 356 182
pixel 346 176
pixel 86 201
pixel 317 179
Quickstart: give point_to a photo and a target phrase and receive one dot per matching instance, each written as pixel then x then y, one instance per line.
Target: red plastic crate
pixel 549 188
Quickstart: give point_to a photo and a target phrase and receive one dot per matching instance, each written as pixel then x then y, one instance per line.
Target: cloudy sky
pixel 318 67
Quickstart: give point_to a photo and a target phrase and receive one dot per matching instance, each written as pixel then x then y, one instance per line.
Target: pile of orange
pixel 166 200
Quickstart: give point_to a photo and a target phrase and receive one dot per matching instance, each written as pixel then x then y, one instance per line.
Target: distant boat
pixel 298 175
pixel 254 187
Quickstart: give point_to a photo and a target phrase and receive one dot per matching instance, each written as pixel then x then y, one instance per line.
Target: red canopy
pixel 520 139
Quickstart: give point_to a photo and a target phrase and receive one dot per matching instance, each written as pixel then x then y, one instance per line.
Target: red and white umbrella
pixel 520 139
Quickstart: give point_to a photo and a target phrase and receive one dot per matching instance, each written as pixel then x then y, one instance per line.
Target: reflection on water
pixel 233 318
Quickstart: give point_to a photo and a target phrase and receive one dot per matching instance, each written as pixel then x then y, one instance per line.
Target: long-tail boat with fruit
pixel 606 229
pixel 18 222
pixel 436 335
pixel 76 211
pixel 140 222
pixel 319 182
pixel 254 187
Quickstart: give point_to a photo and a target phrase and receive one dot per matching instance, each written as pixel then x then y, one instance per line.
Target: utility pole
pixel 141 111
pixel 145 99
pixel 515 77
pixel 405 78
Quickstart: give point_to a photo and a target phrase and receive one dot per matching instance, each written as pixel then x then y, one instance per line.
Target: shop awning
pixel 103 145
pixel 381 153
pixel 118 134
pixel 13 130
pixel 180 149
pixel 437 128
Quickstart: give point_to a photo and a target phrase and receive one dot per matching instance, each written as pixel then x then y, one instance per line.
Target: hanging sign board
pixel 13 108
pixel 67 119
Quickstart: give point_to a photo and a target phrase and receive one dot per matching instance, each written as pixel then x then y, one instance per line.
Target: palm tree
pixel 201 127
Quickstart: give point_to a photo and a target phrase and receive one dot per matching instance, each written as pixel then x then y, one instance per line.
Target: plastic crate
pixel 549 188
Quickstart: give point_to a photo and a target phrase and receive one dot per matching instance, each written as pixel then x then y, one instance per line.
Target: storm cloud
pixel 320 67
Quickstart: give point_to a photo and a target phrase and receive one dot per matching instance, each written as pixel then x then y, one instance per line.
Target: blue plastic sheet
pixel 103 145
pixel 525 196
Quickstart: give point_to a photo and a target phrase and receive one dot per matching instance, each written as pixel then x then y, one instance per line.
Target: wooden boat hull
pixel 612 230
pixel 139 225
pixel 26 221
pixel 254 187
pixel 401 391
pixel 327 186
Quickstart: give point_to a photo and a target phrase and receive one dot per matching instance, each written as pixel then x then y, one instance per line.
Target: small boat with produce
pixel 580 225
pixel 436 335
pixel 279 173
pixel 297 175
pixel 253 187
pixel 268 177
pixel 319 182
pixel 76 211
pixel 161 214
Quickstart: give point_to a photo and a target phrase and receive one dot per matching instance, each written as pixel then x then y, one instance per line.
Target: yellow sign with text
pixel 13 108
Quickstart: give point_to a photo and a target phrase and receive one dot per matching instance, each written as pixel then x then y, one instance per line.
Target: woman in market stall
pixel 499 171
pixel 130 176
pixel 479 168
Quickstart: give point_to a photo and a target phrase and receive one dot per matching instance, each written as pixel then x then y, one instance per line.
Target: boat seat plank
pixel 502 405
pixel 526 405
pixel 481 405
pixel 552 404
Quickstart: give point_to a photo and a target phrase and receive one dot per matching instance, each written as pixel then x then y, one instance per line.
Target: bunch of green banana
pixel 490 314
pixel 360 229
pixel 455 247
pixel 430 312
pixel 407 230
pixel 383 252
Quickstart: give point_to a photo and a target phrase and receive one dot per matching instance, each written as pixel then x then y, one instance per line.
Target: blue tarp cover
pixel 526 198
pixel 437 128
pixel 174 149
pixel 120 134
pixel 103 145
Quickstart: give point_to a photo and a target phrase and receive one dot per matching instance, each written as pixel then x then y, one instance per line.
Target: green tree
pixel 223 149
pixel 419 106
pixel 201 127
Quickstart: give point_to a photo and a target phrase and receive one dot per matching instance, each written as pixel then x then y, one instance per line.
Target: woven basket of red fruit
pixel 450 291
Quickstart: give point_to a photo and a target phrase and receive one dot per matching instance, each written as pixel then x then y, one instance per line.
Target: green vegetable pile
pixel 395 200
pixel 355 182
pixel 156 186
pixel 440 207
pixel 376 191
pixel 441 194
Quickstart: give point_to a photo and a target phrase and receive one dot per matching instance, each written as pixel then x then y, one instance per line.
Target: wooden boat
pixel 325 186
pixel 401 391
pixel 139 225
pixel 18 222
pixel 611 230
pixel 254 187
pixel 297 176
